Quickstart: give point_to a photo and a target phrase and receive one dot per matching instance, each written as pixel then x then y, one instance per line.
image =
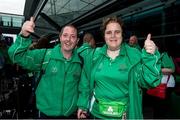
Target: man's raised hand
pixel 28 27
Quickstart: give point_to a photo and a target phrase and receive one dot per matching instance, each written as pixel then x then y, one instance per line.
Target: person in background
pixel 167 69
pixel 115 74
pixel 42 42
pixel 133 42
pixel 162 107
pixel 58 90
pixel 5 63
pixel 2 58
pixel 88 38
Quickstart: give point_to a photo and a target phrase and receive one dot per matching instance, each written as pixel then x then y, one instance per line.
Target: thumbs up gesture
pixel 28 27
pixel 149 45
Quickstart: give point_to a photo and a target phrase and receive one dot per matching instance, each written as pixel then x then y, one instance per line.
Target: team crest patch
pixel 54 70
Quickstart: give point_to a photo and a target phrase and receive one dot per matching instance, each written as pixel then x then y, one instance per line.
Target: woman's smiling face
pixel 113 35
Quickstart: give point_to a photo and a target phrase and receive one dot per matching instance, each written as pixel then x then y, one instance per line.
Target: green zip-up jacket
pixel 57 92
pixel 136 46
pixel 144 72
pixel 167 61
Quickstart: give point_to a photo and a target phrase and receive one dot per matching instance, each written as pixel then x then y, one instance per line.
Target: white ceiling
pixel 12 6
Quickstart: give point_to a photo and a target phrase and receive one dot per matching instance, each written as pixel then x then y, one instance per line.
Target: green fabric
pixel 112 80
pixel 108 71
pixel 143 71
pixel 57 92
pixel 136 46
pixel 115 109
pixel 167 61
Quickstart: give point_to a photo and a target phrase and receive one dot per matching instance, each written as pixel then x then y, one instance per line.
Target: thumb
pixel 32 19
pixel 148 37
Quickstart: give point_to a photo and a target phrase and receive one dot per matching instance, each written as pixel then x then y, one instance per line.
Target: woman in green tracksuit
pixel 57 92
pixel 116 73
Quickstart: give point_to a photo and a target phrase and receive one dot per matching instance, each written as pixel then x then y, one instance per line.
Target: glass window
pixel 6 20
pixel 16 22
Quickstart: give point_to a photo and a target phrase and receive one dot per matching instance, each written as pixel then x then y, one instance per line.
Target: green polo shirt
pixel 144 71
pixel 111 79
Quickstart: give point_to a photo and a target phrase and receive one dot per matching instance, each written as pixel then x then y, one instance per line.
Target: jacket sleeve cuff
pixel 23 41
pixel 156 53
pixel 83 108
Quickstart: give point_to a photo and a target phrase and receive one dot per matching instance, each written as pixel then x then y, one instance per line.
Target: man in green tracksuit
pixel 116 73
pixel 57 92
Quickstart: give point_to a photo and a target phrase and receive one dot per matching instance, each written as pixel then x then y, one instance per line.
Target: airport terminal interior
pixel 161 18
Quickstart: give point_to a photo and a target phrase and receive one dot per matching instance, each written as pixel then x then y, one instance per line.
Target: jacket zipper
pixel 70 64
pixel 63 88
